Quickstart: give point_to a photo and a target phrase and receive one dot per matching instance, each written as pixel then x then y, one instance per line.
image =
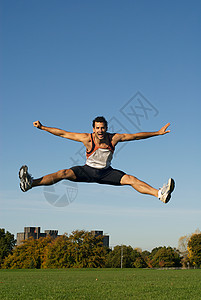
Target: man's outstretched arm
pixel 79 137
pixel 140 135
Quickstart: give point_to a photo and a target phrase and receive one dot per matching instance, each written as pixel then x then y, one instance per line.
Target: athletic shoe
pixel 166 190
pixel 25 179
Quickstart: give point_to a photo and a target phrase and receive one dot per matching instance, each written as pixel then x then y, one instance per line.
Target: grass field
pixel 100 284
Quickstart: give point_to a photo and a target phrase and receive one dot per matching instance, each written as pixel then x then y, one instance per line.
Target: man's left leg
pixel 164 194
pixel 140 186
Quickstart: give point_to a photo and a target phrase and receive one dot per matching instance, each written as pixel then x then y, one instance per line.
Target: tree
pixel 114 258
pixel 29 255
pixel 166 257
pixel 88 249
pixel 57 255
pixel 131 258
pixel 140 263
pixel 194 249
pixel 7 242
pixel 183 244
pixel 81 249
pixel 120 253
pixel 183 248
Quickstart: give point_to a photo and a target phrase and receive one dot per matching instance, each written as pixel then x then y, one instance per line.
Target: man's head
pixel 100 127
pixel 100 120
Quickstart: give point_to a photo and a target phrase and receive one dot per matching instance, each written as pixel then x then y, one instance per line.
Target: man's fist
pixel 37 124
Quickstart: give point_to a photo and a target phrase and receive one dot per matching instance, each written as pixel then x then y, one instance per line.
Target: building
pixel 35 233
pixel 105 237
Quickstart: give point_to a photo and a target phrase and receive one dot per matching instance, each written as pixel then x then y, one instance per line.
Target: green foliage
pixel 29 255
pixel 81 249
pixel 130 258
pixel 194 248
pixel 140 262
pixel 164 257
pixel 7 242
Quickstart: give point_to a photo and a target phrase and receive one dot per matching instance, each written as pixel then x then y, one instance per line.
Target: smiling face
pixel 99 130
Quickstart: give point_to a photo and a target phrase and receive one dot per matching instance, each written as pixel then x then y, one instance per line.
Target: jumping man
pixel 100 146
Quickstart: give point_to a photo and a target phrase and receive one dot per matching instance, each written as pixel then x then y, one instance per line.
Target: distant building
pixel 105 237
pixel 35 233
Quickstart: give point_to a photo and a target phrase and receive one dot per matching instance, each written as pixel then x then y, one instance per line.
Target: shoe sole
pixel 22 175
pixel 22 170
pixel 172 186
pixel 22 188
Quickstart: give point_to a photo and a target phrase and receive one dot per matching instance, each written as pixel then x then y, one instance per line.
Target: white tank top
pixel 100 158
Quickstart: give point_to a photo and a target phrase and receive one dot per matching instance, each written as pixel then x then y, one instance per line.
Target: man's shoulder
pixel 114 134
pixel 115 137
pixel 87 135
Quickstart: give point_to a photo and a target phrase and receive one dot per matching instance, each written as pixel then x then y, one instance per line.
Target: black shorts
pixel 102 176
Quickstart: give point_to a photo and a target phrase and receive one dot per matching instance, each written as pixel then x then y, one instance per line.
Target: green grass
pixel 100 284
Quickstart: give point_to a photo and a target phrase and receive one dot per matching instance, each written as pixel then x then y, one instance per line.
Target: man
pixel 100 146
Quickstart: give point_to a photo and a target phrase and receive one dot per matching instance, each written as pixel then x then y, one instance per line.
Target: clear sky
pixel 64 63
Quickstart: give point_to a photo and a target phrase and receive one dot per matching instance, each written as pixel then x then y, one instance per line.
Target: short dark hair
pixel 101 120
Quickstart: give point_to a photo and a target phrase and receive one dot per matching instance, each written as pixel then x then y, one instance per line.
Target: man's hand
pixel 164 130
pixel 37 124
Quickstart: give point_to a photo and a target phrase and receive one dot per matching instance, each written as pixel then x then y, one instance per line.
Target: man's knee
pixel 127 179
pixel 68 174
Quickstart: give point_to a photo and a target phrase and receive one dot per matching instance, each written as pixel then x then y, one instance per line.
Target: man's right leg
pixel 54 178
pixel 27 182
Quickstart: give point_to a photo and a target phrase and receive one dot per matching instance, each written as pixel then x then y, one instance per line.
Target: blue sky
pixel 64 63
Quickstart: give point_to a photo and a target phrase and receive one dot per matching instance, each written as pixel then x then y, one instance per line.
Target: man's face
pixel 99 130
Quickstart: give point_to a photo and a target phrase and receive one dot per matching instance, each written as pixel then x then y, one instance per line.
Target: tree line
pixel 81 249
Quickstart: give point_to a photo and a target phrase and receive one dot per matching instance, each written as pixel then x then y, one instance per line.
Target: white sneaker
pixel 166 190
pixel 25 179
